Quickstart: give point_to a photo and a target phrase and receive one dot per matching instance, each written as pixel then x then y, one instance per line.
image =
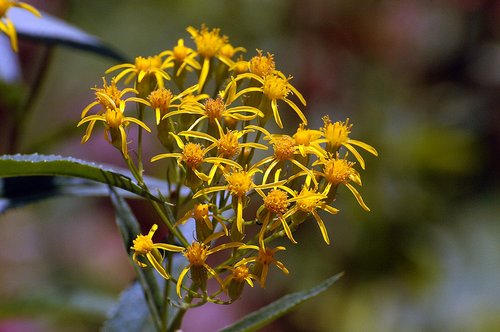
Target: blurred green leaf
pixel 131 313
pixel 129 228
pixel 273 311
pixel 51 30
pixel 46 165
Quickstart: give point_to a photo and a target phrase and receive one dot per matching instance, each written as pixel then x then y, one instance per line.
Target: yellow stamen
pixel 193 154
pixel 239 183
pixel 307 201
pixel 208 43
pixel 339 171
pixel 214 109
pixel 228 146
pixel 276 201
pixel 197 254
pixel 262 65
pixel 275 87
pixel 284 147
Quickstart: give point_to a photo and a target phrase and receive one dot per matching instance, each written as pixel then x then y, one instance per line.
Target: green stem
pixel 25 109
pixel 140 166
pixel 167 216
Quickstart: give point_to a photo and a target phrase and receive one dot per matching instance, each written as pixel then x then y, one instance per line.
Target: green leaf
pixel 273 311
pixel 46 165
pixel 129 229
pixel 52 30
pixel 130 313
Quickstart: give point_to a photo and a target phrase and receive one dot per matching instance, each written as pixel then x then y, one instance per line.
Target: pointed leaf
pixel 35 164
pixel 273 311
pixel 51 30
pixel 130 313
pixel 22 190
pixel 129 229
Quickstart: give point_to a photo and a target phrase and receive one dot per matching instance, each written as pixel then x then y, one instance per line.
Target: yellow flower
pixel 240 66
pixel 197 254
pixel 6 25
pixel 306 203
pixel 337 135
pixel 182 56
pixel 143 245
pixel 276 203
pixel 109 97
pixel 161 100
pixel 228 145
pixel 193 155
pixel 208 45
pixel 235 282
pixel 340 171
pixel 227 51
pixel 239 184
pixel 115 124
pixel 261 65
pixel 308 141
pixel 201 215
pixel 142 68
pixel 274 87
pixel 263 260
pixel 285 149
pixel 215 110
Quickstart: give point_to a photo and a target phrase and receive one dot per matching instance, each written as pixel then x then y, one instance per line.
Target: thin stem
pixel 167 217
pixel 140 166
pixel 24 109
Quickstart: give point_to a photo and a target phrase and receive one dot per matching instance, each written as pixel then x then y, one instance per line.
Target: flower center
pixel 181 51
pixel 276 201
pixel 196 254
pixel 193 154
pixel 142 244
pixel 214 108
pixel 112 93
pixel 208 43
pixel 161 99
pixel 338 170
pixel 306 202
pixel 275 87
pixel 114 118
pixel 336 133
pixel 228 145
pixel 241 66
pixel 262 65
pixel 239 183
pixel 284 147
pixel 305 136
pixel 147 64
pixel 265 257
pixel 200 211
pixel 240 273
pixel 227 50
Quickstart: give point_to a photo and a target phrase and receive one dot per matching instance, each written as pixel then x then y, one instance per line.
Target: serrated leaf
pixel 46 165
pixel 273 311
pixel 51 30
pixel 22 190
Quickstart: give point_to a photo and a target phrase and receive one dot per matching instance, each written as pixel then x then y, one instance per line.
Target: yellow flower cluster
pixel 247 185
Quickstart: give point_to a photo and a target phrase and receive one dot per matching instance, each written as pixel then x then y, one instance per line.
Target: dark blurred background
pixel 420 82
